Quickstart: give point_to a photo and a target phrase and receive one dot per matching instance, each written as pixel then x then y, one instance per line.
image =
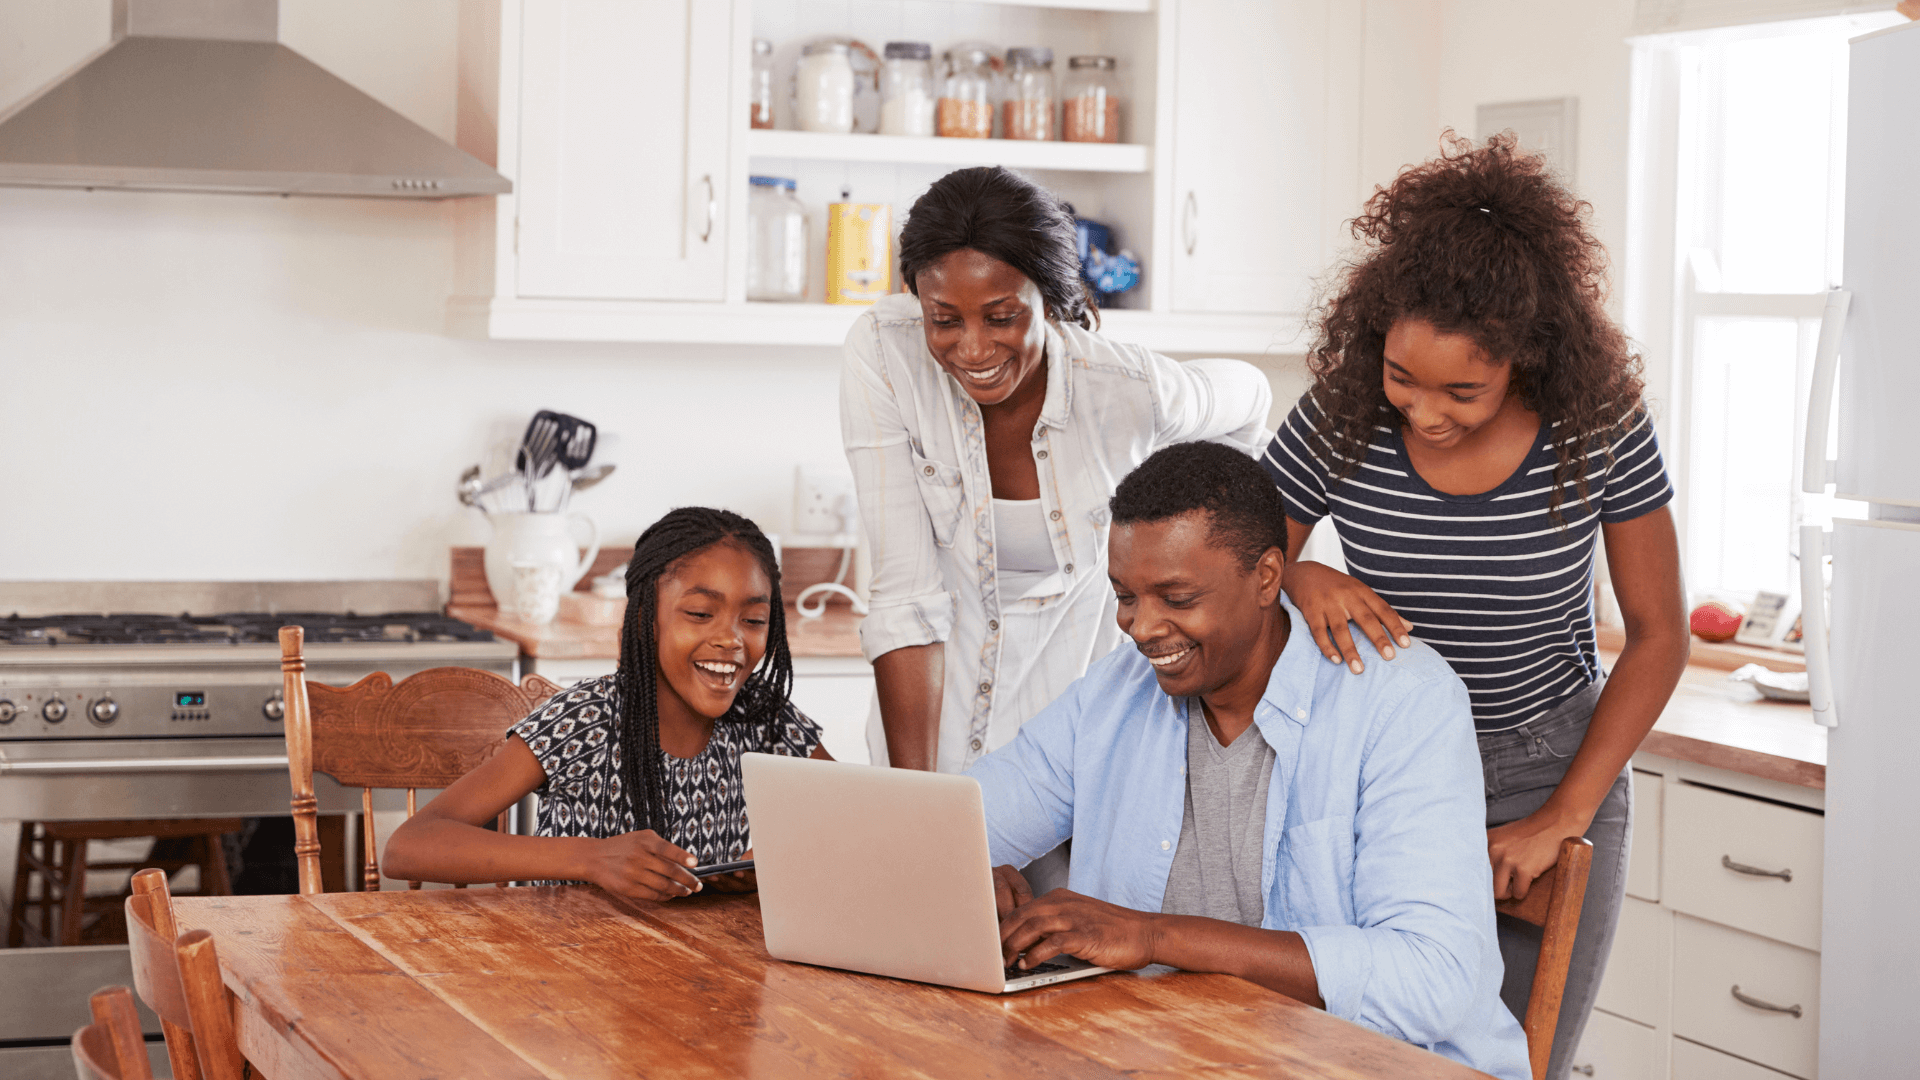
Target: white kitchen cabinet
pixel 1616 1049
pixel 623 173
pixel 1265 150
pixel 1643 862
pixel 1748 995
pixel 1691 1061
pixel 1639 975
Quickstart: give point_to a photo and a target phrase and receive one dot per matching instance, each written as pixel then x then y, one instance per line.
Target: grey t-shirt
pixel 1216 870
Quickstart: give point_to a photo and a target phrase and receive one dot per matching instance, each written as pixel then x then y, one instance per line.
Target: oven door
pixel 43 992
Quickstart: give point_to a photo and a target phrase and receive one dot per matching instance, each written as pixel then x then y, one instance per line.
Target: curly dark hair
pixel 998 212
pixel 1481 241
pixel 1243 507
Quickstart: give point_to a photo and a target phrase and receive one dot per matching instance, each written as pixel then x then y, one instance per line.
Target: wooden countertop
pixel 835 634
pixel 1728 725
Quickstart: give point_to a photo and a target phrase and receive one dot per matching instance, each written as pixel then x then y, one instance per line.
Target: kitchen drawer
pixel 1643 863
pixel 1709 960
pixel 1706 833
pixel 1639 978
pixel 1616 1049
pixel 1691 1061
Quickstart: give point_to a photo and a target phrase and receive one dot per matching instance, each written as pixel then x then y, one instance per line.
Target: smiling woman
pixel 638 772
pixel 987 423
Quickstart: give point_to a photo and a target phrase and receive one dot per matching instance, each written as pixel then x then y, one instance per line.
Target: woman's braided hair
pixel 763 697
pixel 1483 241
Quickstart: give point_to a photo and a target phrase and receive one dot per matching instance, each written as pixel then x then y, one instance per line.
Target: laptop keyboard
pixel 1047 968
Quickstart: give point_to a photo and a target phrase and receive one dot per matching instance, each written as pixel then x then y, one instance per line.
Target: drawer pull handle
pixel 1791 1010
pixel 1583 1070
pixel 1743 868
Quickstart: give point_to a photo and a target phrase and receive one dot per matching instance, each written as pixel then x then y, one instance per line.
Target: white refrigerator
pixel 1863 655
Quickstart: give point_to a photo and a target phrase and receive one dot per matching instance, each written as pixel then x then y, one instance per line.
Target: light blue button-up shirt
pixel 1376 842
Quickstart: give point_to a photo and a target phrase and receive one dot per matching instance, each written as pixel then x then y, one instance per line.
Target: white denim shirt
pixel 917 445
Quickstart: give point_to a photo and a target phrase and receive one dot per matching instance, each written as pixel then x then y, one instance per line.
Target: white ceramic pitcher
pixel 537 539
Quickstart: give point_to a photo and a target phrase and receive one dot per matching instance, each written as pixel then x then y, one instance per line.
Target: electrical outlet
pixel 822 502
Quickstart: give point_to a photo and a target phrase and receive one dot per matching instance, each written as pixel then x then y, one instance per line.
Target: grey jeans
pixel 1522 768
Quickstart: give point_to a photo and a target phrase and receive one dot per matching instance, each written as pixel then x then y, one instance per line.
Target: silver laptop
pixel 883 871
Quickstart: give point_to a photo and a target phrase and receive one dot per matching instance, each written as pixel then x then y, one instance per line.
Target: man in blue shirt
pixel 1239 805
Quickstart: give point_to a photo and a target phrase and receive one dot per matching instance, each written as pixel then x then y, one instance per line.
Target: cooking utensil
pixel 555 439
pixel 469 488
pixel 586 478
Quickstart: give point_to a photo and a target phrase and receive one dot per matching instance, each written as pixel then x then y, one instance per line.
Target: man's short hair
pixel 1243 508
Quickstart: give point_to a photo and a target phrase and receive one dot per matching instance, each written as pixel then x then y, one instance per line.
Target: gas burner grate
pixel 239 628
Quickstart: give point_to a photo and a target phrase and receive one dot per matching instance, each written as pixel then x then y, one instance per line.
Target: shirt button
pixel 1069 568
pixel 986 687
pixel 929 470
pixel 1042 455
pixel 976 744
pixel 1055 515
pixel 993 624
pixel 1300 713
pixel 1164 845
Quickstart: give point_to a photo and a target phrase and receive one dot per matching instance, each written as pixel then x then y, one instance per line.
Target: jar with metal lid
pixel 1029 107
pixel 823 88
pixel 760 85
pixel 1090 108
pixel 966 101
pixel 907 93
pixel 776 241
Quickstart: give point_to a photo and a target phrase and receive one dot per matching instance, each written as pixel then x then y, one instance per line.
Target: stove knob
pixel 104 711
pixel 8 710
pixel 275 709
pixel 55 710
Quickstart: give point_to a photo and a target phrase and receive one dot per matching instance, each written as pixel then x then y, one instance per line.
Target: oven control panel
pixel 138 712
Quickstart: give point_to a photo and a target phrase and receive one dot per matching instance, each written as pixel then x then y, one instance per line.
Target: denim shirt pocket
pixel 942 493
pixel 1316 873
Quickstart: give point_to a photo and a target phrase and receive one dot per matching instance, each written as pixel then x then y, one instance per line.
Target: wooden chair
pixel 111 1048
pixel 56 853
pixel 179 979
pixel 426 731
pixel 1553 905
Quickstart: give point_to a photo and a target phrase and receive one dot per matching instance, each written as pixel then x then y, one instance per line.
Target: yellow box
pixel 859 252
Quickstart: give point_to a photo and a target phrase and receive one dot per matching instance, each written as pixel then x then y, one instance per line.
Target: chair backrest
pixel 1552 904
pixel 111 1048
pixel 179 979
pixel 426 731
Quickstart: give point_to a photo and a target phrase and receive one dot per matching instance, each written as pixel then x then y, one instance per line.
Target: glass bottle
pixel 823 88
pixel 906 89
pixel 776 241
pixel 1090 109
pixel 760 85
pixel 966 101
pixel 1029 108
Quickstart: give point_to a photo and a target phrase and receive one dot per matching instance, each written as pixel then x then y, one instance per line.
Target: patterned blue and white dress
pixel 575 737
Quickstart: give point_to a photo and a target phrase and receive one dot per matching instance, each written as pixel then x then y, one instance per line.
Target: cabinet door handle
pixel 1791 1010
pixel 713 208
pixel 1743 868
pixel 1188 211
pixel 1583 1070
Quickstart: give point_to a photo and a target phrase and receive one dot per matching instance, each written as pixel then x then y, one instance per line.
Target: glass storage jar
pixel 1090 109
pixel 823 88
pixel 906 89
pixel 760 85
pixel 776 241
pixel 1029 108
pixel 966 101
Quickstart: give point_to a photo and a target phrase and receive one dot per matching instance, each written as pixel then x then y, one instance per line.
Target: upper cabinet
pixel 622 166
pixel 624 127
pixel 1265 160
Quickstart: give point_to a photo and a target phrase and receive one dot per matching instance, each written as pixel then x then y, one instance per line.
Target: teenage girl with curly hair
pixel 1474 428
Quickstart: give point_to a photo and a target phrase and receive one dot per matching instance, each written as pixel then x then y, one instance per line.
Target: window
pixel 1738 178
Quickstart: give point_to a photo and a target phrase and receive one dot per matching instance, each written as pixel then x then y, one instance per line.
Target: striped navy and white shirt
pixel 1488 580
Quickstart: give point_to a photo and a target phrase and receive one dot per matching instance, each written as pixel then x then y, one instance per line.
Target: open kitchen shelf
pixel 915 150
pixel 1141 6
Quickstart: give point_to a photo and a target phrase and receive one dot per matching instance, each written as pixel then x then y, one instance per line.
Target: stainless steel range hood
pixel 199 95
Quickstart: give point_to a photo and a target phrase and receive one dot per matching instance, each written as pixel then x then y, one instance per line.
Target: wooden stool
pixel 57 852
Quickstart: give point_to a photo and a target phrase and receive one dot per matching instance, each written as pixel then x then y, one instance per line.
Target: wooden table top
pixel 569 982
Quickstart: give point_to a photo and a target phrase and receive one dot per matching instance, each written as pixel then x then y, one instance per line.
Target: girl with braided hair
pixel 638 772
pixel 1475 426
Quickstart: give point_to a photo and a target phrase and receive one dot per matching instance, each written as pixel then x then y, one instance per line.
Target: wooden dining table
pixel 572 982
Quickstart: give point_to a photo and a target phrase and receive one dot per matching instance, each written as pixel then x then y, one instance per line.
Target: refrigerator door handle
pixel 1813 624
pixel 1816 468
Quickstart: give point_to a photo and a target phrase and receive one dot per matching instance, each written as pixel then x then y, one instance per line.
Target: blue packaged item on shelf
pixel 1109 272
